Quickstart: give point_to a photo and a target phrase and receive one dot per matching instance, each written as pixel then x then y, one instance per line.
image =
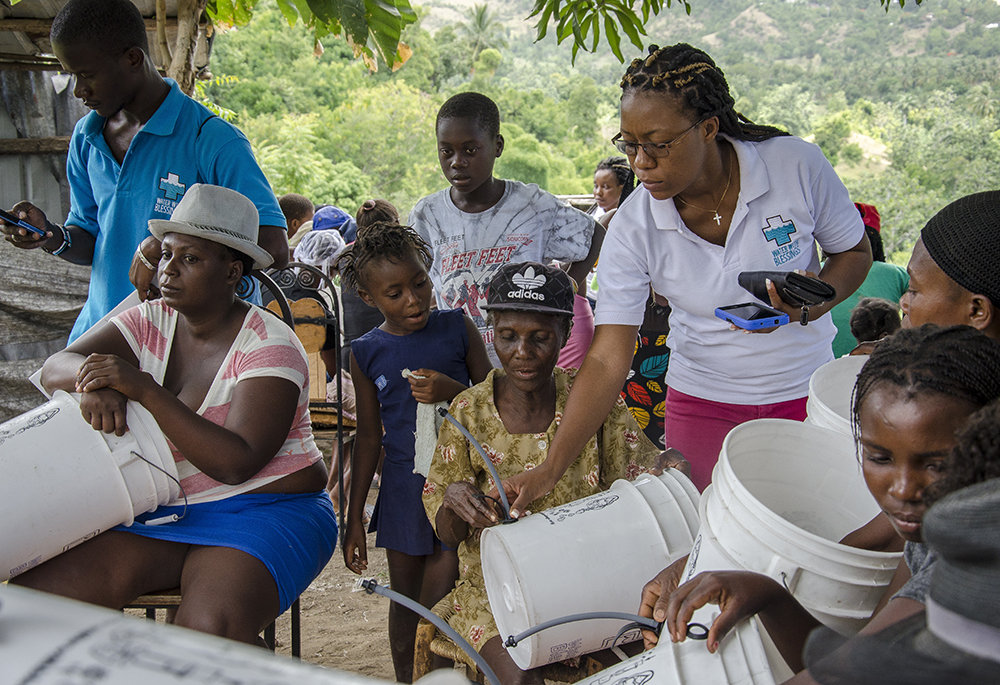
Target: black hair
pixel 243 259
pixel 110 25
pixel 873 318
pixel 565 322
pixel 475 107
pixel 958 361
pixel 692 76
pixel 295 206
pixel 975 457
pixel 616 165
pixel 382 240
pixel 878 249
pixel 373 211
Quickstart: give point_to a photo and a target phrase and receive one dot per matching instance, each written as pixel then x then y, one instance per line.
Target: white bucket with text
pixel 62 482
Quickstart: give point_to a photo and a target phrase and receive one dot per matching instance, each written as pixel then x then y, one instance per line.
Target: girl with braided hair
pixel 387 266
pixel 611 175
pixel 718 195
pixel 912 398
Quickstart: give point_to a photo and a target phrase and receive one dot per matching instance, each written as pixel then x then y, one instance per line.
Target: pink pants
pixel 697 427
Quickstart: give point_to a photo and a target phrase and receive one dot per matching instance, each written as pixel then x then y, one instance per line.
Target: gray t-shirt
pixel 528 224
pixel 920 560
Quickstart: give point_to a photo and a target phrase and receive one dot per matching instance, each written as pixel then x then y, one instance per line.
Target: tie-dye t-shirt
pixel 264 347
pixel 528 224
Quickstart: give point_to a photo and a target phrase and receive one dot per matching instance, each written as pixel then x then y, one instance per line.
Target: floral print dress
pixel 619 450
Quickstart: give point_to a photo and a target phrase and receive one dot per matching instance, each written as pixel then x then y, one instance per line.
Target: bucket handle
pixel 785 572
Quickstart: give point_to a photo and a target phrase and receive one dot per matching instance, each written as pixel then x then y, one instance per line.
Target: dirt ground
pixel 343 627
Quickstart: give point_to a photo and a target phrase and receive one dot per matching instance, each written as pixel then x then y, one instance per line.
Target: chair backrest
pixel 268 287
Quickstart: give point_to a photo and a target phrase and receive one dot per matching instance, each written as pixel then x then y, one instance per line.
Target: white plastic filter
pixel 551 564
pixel 830 389
pixel 62 482
pixel 740 660
pixel 783 494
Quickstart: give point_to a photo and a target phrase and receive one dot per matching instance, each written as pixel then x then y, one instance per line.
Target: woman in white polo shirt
pixel 718 196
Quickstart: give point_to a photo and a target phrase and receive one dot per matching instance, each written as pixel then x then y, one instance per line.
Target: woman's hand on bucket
pixel 739 595
pixel 110 371
pixel 104 410
pixel 671 459
pixel 655 594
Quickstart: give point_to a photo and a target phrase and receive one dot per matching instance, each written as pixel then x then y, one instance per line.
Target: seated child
pixel 298 211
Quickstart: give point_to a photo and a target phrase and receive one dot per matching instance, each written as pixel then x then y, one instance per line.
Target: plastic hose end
pixel 511 642
pixel 369 585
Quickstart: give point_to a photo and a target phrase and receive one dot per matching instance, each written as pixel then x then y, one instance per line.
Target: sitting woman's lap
pixel 292 535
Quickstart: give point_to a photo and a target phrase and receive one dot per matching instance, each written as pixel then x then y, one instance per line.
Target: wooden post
pixel 55 145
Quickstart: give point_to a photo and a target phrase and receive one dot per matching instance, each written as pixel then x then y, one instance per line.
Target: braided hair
pixel 616 165
pixel 691 75
pixel 381 241
pixel 975 457
pixel 958 361
pixel 873 318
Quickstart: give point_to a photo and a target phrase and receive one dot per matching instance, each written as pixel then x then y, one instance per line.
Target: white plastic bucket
pixel 783 494
pixel 555 563
pixel 830 389
pixel 62 482
pixel 740 660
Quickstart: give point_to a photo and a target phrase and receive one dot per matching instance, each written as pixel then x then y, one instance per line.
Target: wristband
pixel 67 239
pixel 142 258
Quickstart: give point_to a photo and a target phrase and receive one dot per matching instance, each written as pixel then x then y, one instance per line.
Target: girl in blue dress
pixel 387 265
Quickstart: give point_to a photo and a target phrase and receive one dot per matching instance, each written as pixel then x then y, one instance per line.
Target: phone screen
pixel 749 312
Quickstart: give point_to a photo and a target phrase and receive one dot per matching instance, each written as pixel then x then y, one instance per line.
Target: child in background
pixel 874 318
pixel 480 222
pixel 387 266
pixel 298 211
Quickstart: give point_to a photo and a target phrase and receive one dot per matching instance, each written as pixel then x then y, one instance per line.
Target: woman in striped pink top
pixel 228 385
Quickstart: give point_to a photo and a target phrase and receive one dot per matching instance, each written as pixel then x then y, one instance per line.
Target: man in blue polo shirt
pixel 133 157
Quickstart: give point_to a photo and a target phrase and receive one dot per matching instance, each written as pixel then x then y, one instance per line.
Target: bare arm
pixel 274 239
pixel 367 447
pixel 579 271
pixel 461 512
pixel 594 392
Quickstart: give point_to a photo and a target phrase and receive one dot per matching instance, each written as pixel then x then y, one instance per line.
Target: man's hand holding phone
pixel 25 226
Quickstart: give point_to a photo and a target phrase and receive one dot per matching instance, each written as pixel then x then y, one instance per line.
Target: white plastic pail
pixel 740 660
pixel 594 554
pixel 62 482
pixel 830 389
pixel 783 494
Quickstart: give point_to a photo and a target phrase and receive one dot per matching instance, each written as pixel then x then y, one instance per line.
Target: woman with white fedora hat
pixel 228 385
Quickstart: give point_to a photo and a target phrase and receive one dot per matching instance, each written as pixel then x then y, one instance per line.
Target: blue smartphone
pixel 11 219
pixel 751 317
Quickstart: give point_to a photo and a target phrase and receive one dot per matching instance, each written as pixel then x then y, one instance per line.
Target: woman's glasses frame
pixel 654 150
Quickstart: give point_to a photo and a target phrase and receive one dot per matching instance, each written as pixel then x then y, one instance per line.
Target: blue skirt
pixel 292 535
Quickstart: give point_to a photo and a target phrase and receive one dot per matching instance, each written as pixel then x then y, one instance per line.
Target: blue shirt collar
pixel 162 122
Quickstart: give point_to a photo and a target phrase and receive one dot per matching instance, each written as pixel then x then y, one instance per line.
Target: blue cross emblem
pixel 778 230
pixel 171 186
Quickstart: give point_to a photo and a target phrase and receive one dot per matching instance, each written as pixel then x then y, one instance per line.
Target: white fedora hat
pixel 217 214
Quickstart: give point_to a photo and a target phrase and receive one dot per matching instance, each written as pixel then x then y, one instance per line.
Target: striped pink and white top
pixel 264 347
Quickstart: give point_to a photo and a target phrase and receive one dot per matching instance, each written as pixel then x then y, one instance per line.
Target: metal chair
pixel 297 281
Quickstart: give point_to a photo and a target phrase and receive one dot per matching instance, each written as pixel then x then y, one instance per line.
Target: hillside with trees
pixel 903 102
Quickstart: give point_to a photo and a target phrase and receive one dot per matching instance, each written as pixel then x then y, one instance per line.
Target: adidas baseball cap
pixel 532 287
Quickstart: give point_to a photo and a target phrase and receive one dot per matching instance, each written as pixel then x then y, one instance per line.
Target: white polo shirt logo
pixel 780 231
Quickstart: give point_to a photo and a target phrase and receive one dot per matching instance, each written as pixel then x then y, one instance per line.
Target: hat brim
pixel 261 257
pixel 524 307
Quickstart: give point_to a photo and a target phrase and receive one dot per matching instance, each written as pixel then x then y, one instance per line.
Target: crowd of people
pixel 486 301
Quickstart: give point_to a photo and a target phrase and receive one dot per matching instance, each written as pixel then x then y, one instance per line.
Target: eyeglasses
pixel 654 150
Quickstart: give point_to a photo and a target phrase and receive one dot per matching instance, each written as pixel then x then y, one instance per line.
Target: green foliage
pixel 831 135
pixel 371 27
pixel 286 149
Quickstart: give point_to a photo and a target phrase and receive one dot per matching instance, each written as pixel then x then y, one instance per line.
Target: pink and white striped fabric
pixel 264 347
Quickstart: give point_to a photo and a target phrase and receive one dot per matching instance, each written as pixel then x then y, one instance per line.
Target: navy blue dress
pixel 442 345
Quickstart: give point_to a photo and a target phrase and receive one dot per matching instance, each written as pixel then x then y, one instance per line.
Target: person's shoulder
pixel 784 148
